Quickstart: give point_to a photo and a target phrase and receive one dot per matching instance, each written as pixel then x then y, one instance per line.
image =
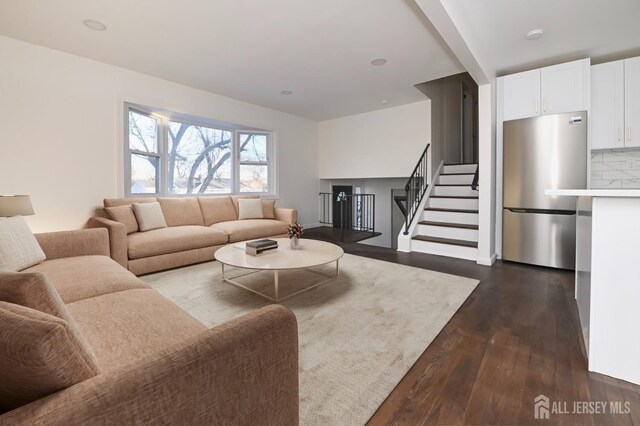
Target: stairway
pixel 449 222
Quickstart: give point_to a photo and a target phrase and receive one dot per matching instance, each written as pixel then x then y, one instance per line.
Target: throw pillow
pixel 39 355
pixel 149 216
pixel 33 290
pixel 124 215
pixel 18 247
pixel 235 198
pixel 250 208
pixel 268 209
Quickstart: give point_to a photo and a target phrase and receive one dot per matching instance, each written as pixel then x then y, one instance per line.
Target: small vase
pixel 295 243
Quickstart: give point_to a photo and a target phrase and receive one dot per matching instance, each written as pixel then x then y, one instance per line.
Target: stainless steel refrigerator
pixel 547 152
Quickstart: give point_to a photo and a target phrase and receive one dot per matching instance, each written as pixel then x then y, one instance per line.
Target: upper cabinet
pixel 521 95
pixel 632 101
pixel 607 105
pixel 550 90
pixel 615 100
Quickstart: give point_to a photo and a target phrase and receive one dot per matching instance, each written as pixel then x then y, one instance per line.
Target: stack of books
pixel 256 248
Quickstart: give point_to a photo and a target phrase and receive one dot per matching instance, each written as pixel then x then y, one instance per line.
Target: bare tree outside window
pixel 199 159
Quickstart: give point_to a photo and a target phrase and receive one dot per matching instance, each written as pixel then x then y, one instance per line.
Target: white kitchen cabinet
pixel 607 106
pixel 550 90
pixel 615 100
pixel 632 102
pixel 521 95
pixel 563 87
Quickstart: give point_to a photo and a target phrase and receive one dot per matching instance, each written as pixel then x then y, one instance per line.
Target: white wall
pixel 379 144
pixel 62 133
pixel 486 174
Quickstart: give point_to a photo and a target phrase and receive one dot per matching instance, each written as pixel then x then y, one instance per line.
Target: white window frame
pixel 163 118
pixel 237 163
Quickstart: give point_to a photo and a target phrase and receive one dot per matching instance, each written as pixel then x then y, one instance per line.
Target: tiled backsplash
pixel 615 169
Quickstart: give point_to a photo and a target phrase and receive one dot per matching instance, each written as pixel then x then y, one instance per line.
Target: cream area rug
pixel 358 335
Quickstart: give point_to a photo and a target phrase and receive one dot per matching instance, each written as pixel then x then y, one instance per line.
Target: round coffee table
pixel 310 253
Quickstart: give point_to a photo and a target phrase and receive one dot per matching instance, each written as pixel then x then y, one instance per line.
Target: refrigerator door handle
pixel 540 211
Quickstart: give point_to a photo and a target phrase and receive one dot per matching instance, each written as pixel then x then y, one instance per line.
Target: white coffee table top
pixel 310 253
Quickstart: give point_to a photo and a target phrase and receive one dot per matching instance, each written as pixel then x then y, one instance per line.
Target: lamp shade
pixel 15 205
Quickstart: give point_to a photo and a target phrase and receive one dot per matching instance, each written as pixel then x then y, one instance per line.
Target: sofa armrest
pixel 81 242
pixel 288 216
pixel 117 238
pixel 242 372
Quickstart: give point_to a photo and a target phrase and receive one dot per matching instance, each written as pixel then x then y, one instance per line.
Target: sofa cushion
pixel 269 209
pixel 33 290
pixel 82 277
pixel 18 247
pixel 126 326
pixel 180 211
pixel 149 216
pixel 235 198
pixel 115 202
pixel 124 215
pixel 39 355
pixel 217 209
pixel 172 240
pixel 250 208
pixel 241 230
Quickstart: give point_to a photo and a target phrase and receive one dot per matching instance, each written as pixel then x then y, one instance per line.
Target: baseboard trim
pixel 487 261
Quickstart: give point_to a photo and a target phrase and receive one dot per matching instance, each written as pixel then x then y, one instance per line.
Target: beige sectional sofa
pixel 197 227
pixel 154 364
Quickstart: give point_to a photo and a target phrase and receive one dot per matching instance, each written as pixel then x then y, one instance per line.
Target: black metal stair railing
pixel 476 176
pixel 415 188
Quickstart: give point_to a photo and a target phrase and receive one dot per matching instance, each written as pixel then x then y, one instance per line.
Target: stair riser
pixel 450 217
pixel 454 203
pixel 461 168
pixel 459 179
pixel 464 191
pixel 459 252
pixel 451 233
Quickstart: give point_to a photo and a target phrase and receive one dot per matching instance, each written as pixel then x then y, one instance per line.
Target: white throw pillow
pixel 250 208
pixel 19 249
pixel 149 216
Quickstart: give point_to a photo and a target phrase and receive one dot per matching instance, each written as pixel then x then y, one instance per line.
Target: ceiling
pixel 250 50
pixel 573 29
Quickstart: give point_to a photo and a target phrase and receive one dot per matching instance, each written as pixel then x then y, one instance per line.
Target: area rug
pixel 358 335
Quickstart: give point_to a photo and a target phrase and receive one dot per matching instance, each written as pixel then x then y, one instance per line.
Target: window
pixel 172 154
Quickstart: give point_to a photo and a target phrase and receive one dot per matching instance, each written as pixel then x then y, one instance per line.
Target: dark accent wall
pixel 446 96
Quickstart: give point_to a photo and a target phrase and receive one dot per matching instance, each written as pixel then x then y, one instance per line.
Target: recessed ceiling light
pixel 378 62
pixel 534 34
pixel 286 92
pixel 94 25
pixel 385 102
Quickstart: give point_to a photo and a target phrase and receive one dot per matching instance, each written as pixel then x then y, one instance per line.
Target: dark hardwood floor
pixel 516 337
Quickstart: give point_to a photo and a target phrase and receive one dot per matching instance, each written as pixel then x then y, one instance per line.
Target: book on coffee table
pixel 261 244
pixel 258 247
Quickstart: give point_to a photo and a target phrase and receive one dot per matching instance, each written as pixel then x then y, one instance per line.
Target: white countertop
pixel 613 193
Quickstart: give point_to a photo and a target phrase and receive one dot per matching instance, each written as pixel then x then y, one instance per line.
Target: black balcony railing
pixel 349 213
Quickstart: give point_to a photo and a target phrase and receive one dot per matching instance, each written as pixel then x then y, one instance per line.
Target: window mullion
pixel 163 147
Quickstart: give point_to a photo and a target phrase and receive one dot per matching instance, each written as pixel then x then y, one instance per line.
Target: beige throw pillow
pixel 149 216
pixel 18 247
pixel 39 355
pixel 268 209
pixel 124 215
pixel 250 208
